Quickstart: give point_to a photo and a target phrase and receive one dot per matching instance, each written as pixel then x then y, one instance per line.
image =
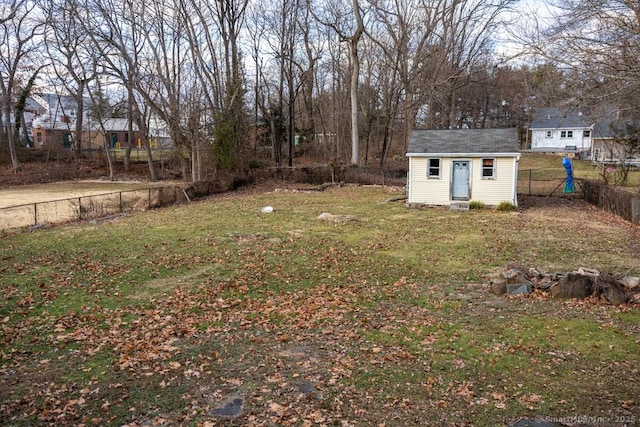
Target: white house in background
pixel 569 129
pixel 52 119
pixel 55 120
pixel 460 165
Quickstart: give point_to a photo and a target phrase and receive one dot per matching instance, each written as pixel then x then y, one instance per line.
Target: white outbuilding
pixel 453 166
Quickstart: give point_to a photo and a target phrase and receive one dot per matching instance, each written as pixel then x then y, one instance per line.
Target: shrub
pixel 258 164
pixel 506 207
pixel 474 204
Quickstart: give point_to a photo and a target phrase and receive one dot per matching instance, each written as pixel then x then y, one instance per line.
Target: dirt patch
pixel 51 203
pixel 56 188
pixel 529 202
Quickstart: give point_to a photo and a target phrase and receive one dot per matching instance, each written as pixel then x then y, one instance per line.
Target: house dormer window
pixel 566 134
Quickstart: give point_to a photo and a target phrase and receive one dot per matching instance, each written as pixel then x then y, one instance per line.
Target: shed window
pixel 433 168
pixel 566 134
pixel 488 168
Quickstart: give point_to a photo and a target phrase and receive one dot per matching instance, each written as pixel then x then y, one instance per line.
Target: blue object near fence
pixel 569 186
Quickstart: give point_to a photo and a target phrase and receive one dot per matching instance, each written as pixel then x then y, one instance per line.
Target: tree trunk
pixel 131 141
pixel 152 166
pixel 77 137
pixel 385 142
pixel 196 162
pixel 275 138
pixel 15 162
pixel 355 74
pixel 110 163
pixel 144 135
pixel 292 126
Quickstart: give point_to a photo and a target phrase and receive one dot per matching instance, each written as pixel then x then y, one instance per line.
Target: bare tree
pixel 599 41
pixel 170 55
pixel 147 56
pixel 337 16
pixel 596 44
pixel 101 111
pixel 281 34
pixel 230 142
pixel 68 45
pixel 19 35
pixel 405 31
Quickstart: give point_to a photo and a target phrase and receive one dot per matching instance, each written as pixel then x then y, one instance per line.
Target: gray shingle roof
pixel 599 118
pixel 556 118
pixel 463 141
pixel 617 128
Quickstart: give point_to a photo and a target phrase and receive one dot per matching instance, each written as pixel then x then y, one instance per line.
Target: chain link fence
pixel 88 207
pixel 532 182
pixel 544 182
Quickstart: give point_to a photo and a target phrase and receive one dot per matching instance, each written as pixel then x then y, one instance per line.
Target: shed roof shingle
pixel 463 141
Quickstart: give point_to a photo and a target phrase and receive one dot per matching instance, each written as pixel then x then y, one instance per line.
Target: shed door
pixel 460 180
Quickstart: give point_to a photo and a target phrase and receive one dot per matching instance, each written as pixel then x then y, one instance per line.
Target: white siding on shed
pixel 438 191
pixel 494 191
pixel 428 190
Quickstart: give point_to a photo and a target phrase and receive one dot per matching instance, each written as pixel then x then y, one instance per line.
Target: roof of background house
pixel 32 105
pixel 573 117
pixel 603 130
pixel 463 141
pixel 63 101
pixel 111 125
pixel 554 118
pixel 619 128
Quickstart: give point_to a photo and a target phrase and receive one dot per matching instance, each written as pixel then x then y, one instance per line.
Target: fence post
pixel 79 207
pixel 35 214
pixel 530 178
pixel 121 202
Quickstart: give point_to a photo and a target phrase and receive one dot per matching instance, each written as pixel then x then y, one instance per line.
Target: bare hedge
pixel 619 201
pixel 322 174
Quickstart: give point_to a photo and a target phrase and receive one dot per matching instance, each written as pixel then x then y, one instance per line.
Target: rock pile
pixel 582 283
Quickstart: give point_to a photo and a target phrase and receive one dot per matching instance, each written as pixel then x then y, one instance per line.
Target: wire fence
pixel 533 182
pixel 88 207
pixel 543 182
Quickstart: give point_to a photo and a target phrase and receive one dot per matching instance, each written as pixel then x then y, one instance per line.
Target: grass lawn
pixel 187 314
